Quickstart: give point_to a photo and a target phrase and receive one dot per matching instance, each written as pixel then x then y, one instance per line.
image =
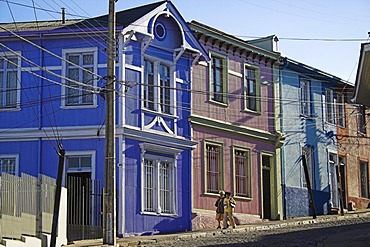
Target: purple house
pixel 233 121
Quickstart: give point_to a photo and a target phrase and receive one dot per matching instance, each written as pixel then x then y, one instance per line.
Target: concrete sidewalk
pixel 152 239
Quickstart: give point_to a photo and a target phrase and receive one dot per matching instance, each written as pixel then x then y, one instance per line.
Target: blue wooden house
pixel 312 110
pixel 52 79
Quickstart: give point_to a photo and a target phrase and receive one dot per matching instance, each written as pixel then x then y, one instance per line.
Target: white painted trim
pixel 94 50
pixel 12 156
pixel 133 67
pixel 203 63
pixel 237 74
pixel 91 153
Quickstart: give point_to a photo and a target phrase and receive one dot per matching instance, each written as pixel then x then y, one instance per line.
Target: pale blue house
pixel 312 109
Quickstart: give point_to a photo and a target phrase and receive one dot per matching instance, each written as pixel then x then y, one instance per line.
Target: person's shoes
pixel 234 227
pixel 219 227
pixel 224 228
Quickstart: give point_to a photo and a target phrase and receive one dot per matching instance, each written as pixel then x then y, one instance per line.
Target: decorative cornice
pixel 228 127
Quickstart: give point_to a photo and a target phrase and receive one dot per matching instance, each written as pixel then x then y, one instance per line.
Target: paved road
pixel 345 233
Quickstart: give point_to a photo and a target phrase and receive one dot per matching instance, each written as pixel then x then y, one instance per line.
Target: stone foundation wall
pixel 204 220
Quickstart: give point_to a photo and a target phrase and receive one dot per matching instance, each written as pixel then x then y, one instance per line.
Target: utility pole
pixel 109 209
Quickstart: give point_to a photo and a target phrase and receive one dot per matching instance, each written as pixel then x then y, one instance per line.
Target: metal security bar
pixel 84 212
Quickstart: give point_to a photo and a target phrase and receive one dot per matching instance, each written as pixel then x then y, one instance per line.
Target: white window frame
pixel 308 152
pixel 158 93
pixel 159 155
pixel 305 97
pixel 224 62
pixel 16 162
pixel 65 53
pixel 257 85
pixel 330 112
pixel 341 110
pixel 247 172
pixel 84 153
pixel 5 56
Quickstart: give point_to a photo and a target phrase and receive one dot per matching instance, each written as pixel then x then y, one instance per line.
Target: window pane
pixel 88 59
pixel 7 165
pixel 149 85
pixel 2 63
pixel 85 161
pixel 73 162
pixel 149 186
pixel 217 79
pixel 241 173
pixel 74 59
pixel 12 63
pixel 364 177
pixel 165 189
pixel 165 88
pixel 213 168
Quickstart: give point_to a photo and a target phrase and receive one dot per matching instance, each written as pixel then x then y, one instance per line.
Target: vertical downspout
pixel 39 145
pixel 282 150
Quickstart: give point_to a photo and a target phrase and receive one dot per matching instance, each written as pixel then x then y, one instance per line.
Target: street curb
pixel 264 226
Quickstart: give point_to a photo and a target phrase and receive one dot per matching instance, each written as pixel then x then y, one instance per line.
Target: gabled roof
pixel 221 36
pixel 312 72
pixel 362 84
pixel 123 18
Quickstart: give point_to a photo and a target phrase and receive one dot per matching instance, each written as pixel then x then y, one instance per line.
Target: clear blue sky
pixel 307 19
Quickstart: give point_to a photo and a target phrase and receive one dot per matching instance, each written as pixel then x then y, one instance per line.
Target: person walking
pixel 229 205
pixel 220 208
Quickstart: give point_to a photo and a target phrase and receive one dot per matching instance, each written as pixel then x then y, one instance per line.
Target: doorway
pixel 266 161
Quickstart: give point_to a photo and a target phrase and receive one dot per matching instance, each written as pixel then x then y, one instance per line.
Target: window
pixel 81 67
pixel 9 86
pixel 159 194
pixel 305 97
pixel 157 90
pixel 213 167
pixel 361 119
pixel 364 179
pixel 9 164
pixel 307 153
pixel 329 106
pixel 341 116
pixel 218 78
pixel 78 162
pixel 242 173
pixel 251 88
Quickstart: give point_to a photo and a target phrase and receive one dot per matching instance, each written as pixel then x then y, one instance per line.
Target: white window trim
pixel 331 104
pixel 92 169
pixel 156 62
pixel 225 78
pixel 341 103
pixel 173 152
pixel 308 104
pixel 12 156
pixel 19 79
pixel 94 50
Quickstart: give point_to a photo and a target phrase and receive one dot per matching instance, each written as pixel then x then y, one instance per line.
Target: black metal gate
pixel 84 213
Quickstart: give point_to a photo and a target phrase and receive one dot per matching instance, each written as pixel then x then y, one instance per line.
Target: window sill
pixel 218 103
pixel 69 107
pixel 159 113
pixel 242 198
pixel 251 112
pixel 10 109
pixel 156 214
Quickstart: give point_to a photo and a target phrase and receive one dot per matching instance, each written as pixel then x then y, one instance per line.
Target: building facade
pixel 53 93
pixel 312 106
pixel 233 123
